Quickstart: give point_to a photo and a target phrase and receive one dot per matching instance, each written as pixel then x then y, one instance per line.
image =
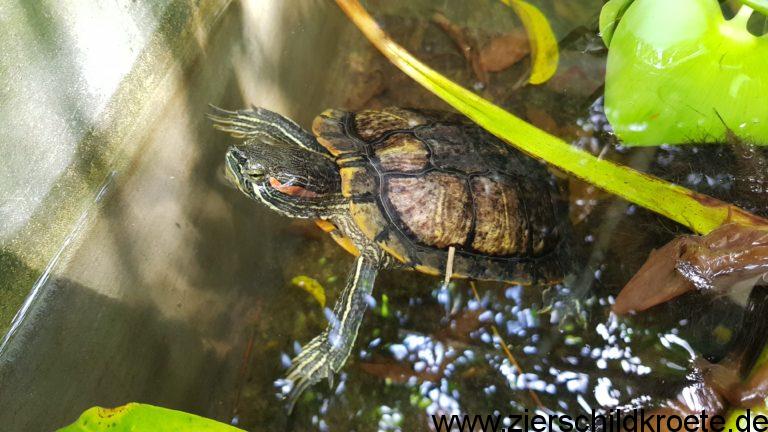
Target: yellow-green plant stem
pixel 701 213
pixel 758 5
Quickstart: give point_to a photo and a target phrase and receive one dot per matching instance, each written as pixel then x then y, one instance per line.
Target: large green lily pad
pixel 679 72
pixel 135 417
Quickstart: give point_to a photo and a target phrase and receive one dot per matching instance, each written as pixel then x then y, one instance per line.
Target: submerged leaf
pixel 545 53
pixel 717 261
pixel 465 45
pixel 678 72
pixel 504 51
pixel 135 417
pixel 384 306
pixel 312 286
pixel 699 212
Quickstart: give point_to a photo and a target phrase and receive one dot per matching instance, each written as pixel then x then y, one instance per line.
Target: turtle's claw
pixel 316 361
pixel 567 308
pixel 297 387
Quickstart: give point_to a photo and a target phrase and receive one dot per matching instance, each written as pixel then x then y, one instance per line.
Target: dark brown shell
pixel 420 182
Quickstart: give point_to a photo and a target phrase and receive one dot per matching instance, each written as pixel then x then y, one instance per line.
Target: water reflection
pixel 460 365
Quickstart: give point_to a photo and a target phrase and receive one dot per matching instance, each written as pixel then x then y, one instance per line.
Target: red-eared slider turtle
pixel 398 188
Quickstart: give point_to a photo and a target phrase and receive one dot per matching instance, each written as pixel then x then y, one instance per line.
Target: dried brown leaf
pixel 504 51
pixel 718 260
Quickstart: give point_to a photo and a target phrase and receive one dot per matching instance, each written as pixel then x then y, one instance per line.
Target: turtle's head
pixel 282 175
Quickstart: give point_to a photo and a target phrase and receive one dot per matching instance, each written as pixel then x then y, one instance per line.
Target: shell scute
pixel 434 207
pixel 368 218
pixel 543 218
pixel 402 152
pixel 372 124
pixel 330 132
pixel 451 148
pixel 357 181
pixel 501 228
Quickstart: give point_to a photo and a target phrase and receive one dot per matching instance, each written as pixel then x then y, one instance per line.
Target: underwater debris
pixel 716 261
pixel 311 286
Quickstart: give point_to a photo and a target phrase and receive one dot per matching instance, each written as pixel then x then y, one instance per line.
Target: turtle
pixel 399 188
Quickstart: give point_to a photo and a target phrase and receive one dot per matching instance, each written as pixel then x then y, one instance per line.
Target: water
pixel 177 292
pixel 417 360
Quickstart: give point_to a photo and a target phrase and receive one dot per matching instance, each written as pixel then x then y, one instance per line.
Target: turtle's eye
pixel 254 169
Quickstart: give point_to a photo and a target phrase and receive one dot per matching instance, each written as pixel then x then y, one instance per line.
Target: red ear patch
pixel 296 191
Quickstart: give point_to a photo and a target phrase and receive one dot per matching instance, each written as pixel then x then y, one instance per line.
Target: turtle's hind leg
pixel 325 355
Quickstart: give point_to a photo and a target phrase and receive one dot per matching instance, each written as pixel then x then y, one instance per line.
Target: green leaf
pixel 610 16
pixel 312 286
pixel 699 212
pixel 758 5
pixel 678 72
pixel 545 53
pixel 135 417
pixel 384 305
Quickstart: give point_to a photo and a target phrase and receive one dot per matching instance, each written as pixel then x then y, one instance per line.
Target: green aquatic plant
pixel 610 15
pixel 699 212
pixel 742 419
pixel 311 286
pixel 758 5
pixel 679 72
pixel 135 417
pixel 545 54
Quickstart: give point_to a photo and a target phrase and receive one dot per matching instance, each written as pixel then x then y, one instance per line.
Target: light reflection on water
pixel 462 362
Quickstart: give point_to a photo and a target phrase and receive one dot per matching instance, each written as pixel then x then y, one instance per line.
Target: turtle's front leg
pixel 325 355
